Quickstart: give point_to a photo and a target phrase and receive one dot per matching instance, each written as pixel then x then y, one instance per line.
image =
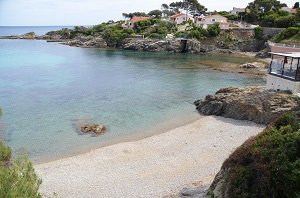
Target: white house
pixel 212 19
pixel 180 18
pixel 130 23
pixel 236 11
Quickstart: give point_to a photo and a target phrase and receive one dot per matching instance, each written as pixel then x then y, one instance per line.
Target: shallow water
pixel 46 87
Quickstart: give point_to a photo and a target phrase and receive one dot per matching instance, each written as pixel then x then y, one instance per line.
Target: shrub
pixel 213 30
pixel 280 19
pixel 267 165
pixel 258 32
pixel 286 34
pixel 17 177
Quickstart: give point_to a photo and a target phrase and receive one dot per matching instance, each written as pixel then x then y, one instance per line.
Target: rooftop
pixel 289 54
pixel 177 15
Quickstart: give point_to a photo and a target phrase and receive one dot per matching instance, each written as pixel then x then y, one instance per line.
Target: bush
pixel 286 34
pixel 267 165
pixel 280 19
pixel 213 30
pixel 17 177
pixel 258 32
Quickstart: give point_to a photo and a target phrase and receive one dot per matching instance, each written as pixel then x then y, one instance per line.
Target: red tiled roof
pixel 176 15
pixel 140 18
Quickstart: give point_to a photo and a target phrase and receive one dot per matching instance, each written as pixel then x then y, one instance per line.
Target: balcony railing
pixel 285 68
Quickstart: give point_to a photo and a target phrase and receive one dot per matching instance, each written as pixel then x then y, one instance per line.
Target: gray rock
pixel 250 103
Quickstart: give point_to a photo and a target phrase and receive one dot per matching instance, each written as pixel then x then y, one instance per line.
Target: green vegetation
pixel 280 19
pixel 17 176
pixel 267 165
pixel 213 30
pixel 258 32
pixel 290 34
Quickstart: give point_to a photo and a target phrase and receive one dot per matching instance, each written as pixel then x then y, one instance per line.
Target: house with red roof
pixel 179 18
pixel 131 22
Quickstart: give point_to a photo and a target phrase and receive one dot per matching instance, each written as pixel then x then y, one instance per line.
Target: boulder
pixel 93 128
pixel 250 103
pixel 253 65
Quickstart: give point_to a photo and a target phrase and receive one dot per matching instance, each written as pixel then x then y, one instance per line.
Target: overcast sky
pixel 88 12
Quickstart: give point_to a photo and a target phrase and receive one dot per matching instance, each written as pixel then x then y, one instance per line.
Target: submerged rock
pixel 251 103
pixel 93 128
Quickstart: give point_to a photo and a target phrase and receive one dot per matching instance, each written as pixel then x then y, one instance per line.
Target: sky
pixel 88 12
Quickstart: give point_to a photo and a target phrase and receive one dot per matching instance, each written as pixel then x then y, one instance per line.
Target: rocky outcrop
pixel 29 35
pixel 151 45
pixel 251 103
pixel 88 41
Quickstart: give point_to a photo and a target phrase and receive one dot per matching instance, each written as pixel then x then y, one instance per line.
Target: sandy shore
pixel 160 165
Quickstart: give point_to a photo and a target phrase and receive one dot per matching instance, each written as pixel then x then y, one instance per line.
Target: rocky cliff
pixel 251 103
pixel 154 45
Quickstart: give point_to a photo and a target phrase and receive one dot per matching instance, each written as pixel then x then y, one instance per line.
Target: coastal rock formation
pixel 88 41
pixel 93 128
pixel 251 103
pixel 29 35
pixel 253 65
pixel 152 45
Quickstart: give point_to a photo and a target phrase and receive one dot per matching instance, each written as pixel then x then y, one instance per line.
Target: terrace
pixel 285 65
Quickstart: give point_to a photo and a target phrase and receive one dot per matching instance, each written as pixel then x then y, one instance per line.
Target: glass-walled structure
pixel 285 65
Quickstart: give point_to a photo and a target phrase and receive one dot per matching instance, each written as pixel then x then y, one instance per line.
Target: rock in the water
pixel 251 103
pixel 93 128
pixel 253 65
pixel 29 35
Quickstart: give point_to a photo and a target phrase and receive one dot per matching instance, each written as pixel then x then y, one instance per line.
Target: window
pixel 213 20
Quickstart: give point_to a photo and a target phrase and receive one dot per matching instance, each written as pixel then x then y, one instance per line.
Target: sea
pixel 46 89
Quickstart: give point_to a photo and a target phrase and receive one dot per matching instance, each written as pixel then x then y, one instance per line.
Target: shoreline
pixel 162 128
pixel 156 166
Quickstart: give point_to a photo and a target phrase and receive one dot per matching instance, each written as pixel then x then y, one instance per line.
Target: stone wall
pixel 268 32
pixel 244 33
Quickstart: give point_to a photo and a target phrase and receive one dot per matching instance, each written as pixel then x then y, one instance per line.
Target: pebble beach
pixel 158 166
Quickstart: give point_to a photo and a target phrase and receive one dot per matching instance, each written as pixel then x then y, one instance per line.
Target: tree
pixel 130 15
pixel 165 7
pixel 191 6
pixel 296 6
pixel 265 5
pixel 155 13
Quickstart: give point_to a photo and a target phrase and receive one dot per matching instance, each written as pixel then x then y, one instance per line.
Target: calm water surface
pixel 18 30
pixel 46 87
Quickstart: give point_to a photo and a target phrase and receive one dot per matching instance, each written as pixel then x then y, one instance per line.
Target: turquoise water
pixel 46 87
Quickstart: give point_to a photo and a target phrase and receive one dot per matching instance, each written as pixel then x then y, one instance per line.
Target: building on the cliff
pixel 289 10
pixel 284 72
pixel 180 18
pixel 212 19
pixel 131 22
pixel 236 11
